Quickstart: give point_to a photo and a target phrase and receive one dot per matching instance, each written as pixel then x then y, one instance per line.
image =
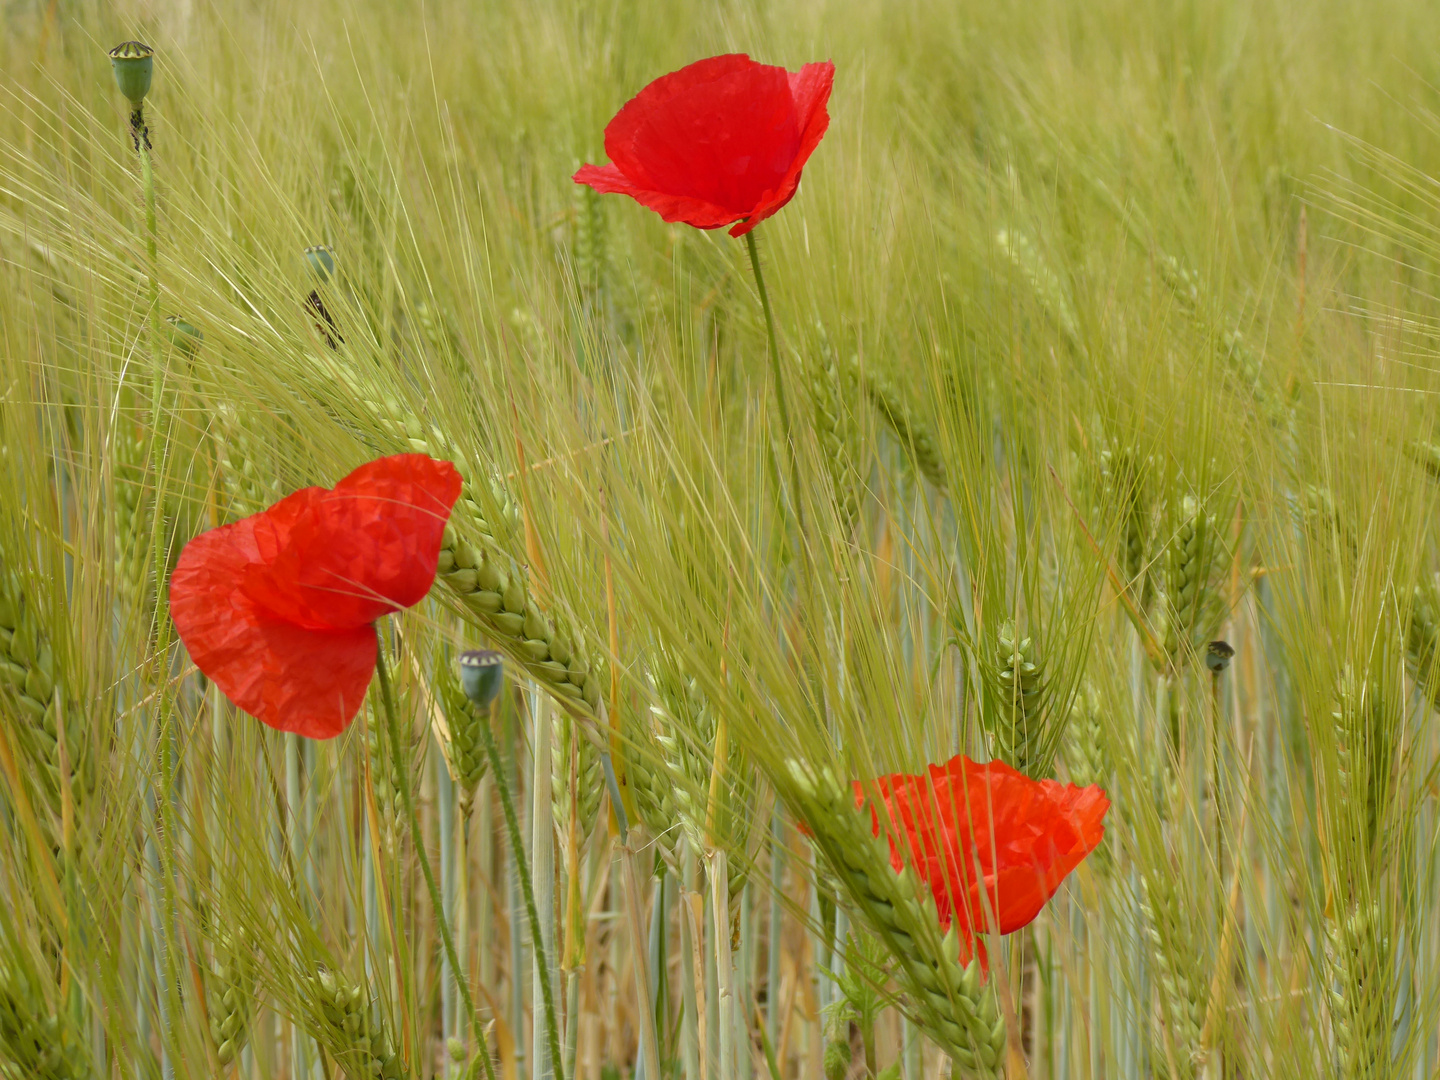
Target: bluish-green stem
pixel 649 1041
pixel 299 862
pixel 515 898
pixel 689 949
pixel 544 1051
pixel 392 726
pixel 445 809
pixel 517 849
pixel 777 927
pixel 744 968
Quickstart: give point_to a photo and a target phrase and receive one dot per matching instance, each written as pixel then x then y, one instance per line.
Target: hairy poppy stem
pixel 780 399
pixel 517 849
pixel 392 728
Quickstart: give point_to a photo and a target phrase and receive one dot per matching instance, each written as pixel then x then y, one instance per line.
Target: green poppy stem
pixel 392 727
pixel 781 402
pixel 517 849
pixel 141 134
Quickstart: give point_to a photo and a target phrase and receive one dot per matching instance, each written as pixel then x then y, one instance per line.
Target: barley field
pixel 1077 415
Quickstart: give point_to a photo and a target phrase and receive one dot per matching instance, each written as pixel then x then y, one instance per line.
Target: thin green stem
pixel 517 848
pixel 141 134
pixel 392 727
pixel 781 402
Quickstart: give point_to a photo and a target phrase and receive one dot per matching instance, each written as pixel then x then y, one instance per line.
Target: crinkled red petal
pixel 810 89
pixel 345 557
pixel 672 208
pixel 290 678
pixel 963 824
pixel 720 141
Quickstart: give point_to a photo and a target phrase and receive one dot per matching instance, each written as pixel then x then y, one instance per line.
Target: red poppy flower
pixel 964 824
pixel 720 141
pixel 279 609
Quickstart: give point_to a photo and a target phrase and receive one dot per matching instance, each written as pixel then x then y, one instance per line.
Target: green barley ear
pixel 1016 723
pixel 1182 995
pixel 651 784
pixel 478 563
pixel 134 66
pixel 1364 753
pixel 1363 985
pixel 1422 639
pixel 465 715
pixel 1192 604
pixel 248 486
pixel 1087 753
pixel 31 688
pixel 1049 289
pixel 36 1043
pixel 590 247
pixel 1124 491
pixel 832 388
pixel 230 993
pixel 947 999
pixel 342 1018
pixel 911 433
pixel 573 748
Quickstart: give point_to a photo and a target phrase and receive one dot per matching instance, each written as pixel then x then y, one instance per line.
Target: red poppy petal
pixel 609 180
pixel 810 90
pixel 287 677
pixel 723 131
pixel 365 549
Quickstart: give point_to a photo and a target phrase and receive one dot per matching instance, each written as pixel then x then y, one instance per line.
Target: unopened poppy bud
pixel 321 260
pixel 133 63
pixel 183 336
pixel 1218 655
pixel 481 675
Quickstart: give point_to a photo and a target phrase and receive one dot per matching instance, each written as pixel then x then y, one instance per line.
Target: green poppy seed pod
pixel 133 63
pixel 322 261
pixel 183 336
pixel 1218 655
pixel 481 675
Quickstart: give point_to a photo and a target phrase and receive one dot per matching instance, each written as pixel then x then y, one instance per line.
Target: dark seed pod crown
pixel 134 65
pixel 482 673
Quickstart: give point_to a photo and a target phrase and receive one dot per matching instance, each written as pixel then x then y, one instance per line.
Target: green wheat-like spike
pixel 948 1001
pixel 478 563
pixel 832 387
pixel 590 783
pixel 1182 996
pixel 230 990
pixel 1123 488
pixel 1050 291
pixel 1422 638
pixel 342 1017
pixel 36 1043
pixel 247 485
pixel 907 428
pixel 466 750
pixel 1241 360
pixel 685 729
pixel 1017 726
pixel 591 252
pixel 1361 974
pixel 31 689
pixel 1192 604
pixel 1363 753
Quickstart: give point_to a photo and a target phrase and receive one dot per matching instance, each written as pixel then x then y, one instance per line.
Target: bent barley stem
pixel 392 726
